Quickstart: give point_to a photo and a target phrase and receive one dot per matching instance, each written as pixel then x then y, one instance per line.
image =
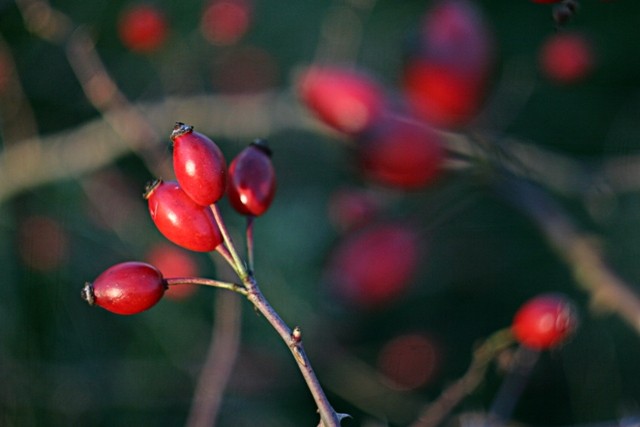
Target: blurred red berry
pixel 180 219
pixel 566 57
pixel 143 28
pixel 409 361
pixel 126 288
pixel 545 321
pixel 252 180
pixel 400 153
pixel 445 81
pixel 375 265
pixel 174 262
pixel 199 165
pixel 352 207
pixel 224 22
pixel 42 243
pixel 349 101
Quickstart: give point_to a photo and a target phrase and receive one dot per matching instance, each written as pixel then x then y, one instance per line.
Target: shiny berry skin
pixel 143 28
pixel 349 101
pixel 374 266
pixel 199 165
pixel 126 288
pixel 445 80
pixel 401 153
pixel 252 180
pixel 545 321
pixel 566 58
pixel 180 219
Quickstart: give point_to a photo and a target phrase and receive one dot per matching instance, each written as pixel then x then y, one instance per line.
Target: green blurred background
pixel 64 363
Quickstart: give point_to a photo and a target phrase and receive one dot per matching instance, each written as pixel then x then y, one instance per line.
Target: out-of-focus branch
pixel 439 409
pixel 608 291
pixel 218 366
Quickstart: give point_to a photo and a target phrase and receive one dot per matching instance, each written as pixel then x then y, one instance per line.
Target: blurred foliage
pixel 63 363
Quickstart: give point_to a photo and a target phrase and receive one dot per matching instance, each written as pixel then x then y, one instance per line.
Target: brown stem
pixel 434 413
pixel 293 340
pixel 608 291
pixel 221 356
pixel 173 281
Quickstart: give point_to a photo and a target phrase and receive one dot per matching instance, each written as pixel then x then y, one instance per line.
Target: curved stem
pixel 173 281
pixel 238 264
pixel 293 340
pixel 250 222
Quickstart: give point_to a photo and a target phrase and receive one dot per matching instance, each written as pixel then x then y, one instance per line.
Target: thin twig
pixel 249 233
pixel 234 287
pixel 608 291
pixel 293 340
pixel 435 412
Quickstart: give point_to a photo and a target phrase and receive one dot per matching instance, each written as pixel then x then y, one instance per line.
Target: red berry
pixel 445 82
pixel 401 153
pixel 347 100
pixel 352 207
pixel 224 22
pixel 143 28
pixel 126 288
pixel 199 165
pixel 180 219
pixel 375 265
pixel 545 321
pixel 409 361
pixel 174 262
pixel 43 243
pixel 252 180
pixel 566 57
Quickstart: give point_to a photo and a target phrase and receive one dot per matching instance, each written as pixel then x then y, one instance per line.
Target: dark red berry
pixel 352 207
pixel 445 82
pixel 401 153
pixel 545 321
pixel 375 265
pixel 349 101
pixel 126 288
pixel 142 28
pixel 224 22
pixel 199 165
pixel 566 57
pixel 252 180
pixel 180 219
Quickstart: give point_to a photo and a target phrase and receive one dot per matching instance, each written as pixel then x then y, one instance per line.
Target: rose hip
pixel 126 288
pixel 199 165
pixel 545 321
pixel 180 219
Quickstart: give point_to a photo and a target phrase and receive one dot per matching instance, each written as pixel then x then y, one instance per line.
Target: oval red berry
pixel 545 321
pixel 401 154
pixel 143 28
pixel 375 265
pixel 252 180
pixel 126 288
pixel 199 165
pixel 180 219
pixel 347 100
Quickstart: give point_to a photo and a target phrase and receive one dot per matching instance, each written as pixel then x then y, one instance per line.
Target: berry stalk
pixel 206 282
pixel 293 340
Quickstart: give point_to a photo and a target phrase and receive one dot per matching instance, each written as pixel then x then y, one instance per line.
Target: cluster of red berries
pixel 182 212
pixel 444 84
